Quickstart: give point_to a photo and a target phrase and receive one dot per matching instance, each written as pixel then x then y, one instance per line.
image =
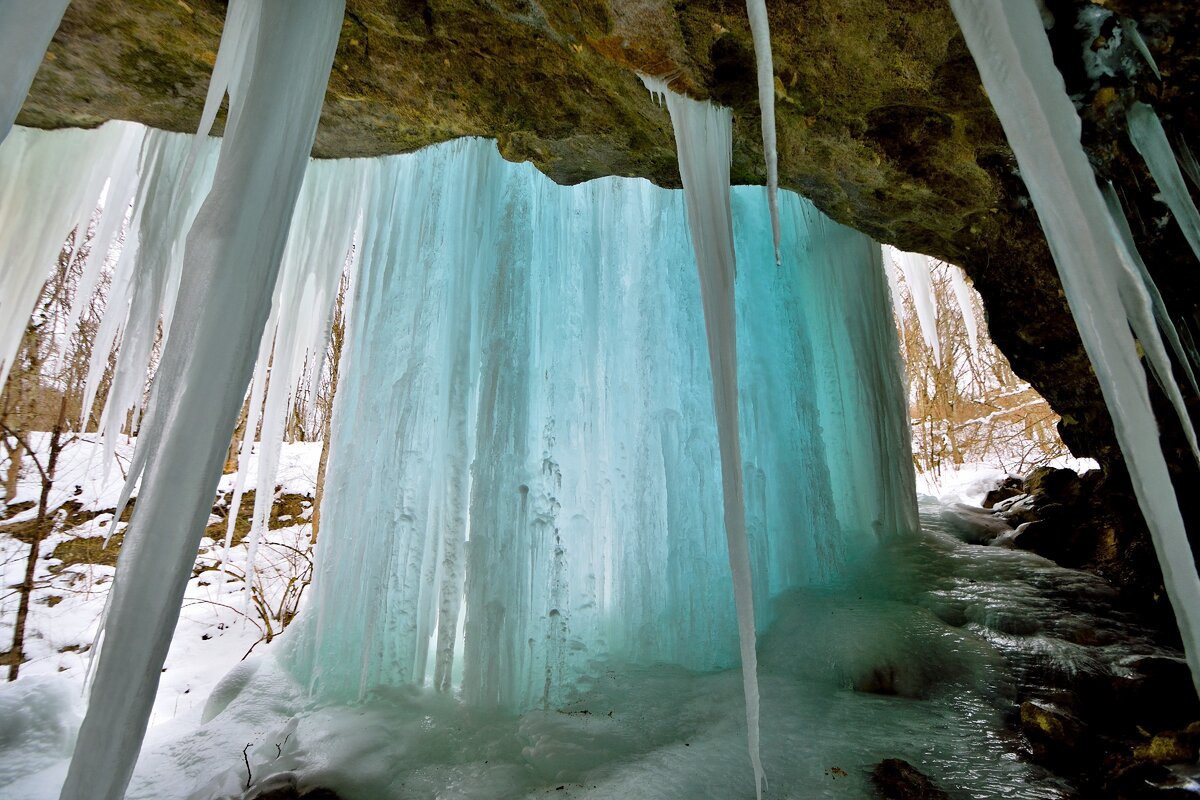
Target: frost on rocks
pixel 26 28
pixel 231 258
pixel 1015 61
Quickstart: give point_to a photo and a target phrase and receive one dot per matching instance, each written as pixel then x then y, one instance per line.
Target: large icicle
pixel 1012 52
pixel 232 255
pixel 704 145
pixel 26 28
pixel 760 30
pixel 1146 132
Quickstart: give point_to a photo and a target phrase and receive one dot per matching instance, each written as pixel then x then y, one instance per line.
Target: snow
pixel 1105 294
pixel 659 732
pixel 43 709
pixel 25 32
pixel 230 264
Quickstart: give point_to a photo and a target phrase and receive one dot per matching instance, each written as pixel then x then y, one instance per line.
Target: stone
pixel 896 779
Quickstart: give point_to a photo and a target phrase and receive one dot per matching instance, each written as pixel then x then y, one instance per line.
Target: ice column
pixel 26 28
pixel 704 145
pixel 231 258
pixel 760 30
pixel 1012 52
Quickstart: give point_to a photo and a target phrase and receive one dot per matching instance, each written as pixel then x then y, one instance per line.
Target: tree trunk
pixel 15 455
pixel 16 654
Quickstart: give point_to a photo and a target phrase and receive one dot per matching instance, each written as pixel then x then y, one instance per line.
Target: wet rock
pixel 1156 693
pixel 1055 735
pixel 1010 487
pixel 895 779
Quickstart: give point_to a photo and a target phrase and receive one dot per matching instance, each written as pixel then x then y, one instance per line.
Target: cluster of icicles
pixel 224 244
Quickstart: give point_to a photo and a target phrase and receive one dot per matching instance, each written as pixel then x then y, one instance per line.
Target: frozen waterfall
pixel 524 444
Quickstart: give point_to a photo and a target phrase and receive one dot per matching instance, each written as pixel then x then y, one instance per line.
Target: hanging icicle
pixel 26 28
pixel 760 30
pixel 231 259
pixel 704 146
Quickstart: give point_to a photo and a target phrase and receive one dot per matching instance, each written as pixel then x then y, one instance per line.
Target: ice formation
pixel 524 472
pixel 1158 305
pixel 760 30
pixel 51 185
pixel 962 295
pixel 1147 134
pixel 915 268
pixel 1131 30
pixel 1015 61
pixel 230 260
pixel 26 29
pixel 704 145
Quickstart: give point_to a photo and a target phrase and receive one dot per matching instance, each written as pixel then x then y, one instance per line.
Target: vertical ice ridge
pixel 1015 61
pixel 26 29
pixel 231 260
pixel 760 30
pixel 704 145
pixel 1147 134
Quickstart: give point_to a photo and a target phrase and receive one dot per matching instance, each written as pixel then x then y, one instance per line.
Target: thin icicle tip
pixel 760 30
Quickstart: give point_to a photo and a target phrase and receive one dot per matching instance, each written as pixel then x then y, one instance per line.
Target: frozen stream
pixel 924 655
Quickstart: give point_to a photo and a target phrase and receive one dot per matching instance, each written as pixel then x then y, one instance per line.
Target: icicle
pixel 962 294
pixel 1165 324
pixel 118 195
pixel 164 209
pixel 760 30
pixel 1017 66
pixel 915 268
pixel 1187 160
pixel 232 255
pixel 26 28
pixel 1131 30
pixel 301 314
pixel 1147 134
pixel 704 145
pixel 50 184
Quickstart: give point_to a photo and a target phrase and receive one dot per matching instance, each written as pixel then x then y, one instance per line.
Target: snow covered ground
pixel 216 628
pixel 664 732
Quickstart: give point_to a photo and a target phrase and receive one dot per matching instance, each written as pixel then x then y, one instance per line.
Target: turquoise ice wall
pixel 524 473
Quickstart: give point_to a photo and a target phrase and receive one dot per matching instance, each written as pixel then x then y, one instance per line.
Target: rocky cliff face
pixel 882 120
